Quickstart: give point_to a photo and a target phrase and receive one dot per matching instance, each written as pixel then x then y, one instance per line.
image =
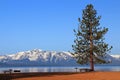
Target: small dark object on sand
pixel 85 70
pixel 16 70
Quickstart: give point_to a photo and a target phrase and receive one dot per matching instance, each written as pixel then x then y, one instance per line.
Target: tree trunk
pixel 91 50
pixel 91 61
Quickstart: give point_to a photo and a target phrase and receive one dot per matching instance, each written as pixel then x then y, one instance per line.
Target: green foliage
pixel 90 33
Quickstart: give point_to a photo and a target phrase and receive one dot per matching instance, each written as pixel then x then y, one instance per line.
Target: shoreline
pixel 95 75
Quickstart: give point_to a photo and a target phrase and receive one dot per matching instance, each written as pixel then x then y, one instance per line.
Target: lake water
pixel 59 69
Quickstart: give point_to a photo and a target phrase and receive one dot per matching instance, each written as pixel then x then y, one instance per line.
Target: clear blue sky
pixel 49 24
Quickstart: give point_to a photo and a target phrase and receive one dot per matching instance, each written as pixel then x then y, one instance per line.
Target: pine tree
pixel 89 47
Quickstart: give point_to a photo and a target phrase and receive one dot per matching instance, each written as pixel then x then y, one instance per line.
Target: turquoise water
pixel 59 69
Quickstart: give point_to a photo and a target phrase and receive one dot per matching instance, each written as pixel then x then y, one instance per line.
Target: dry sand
pixel 75 76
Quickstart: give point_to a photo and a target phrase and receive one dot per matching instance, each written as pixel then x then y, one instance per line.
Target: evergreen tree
pixel 89 47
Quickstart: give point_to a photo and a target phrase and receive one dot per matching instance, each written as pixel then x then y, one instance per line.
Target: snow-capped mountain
pixel 38 57
pixel 116 56
pixel 113 59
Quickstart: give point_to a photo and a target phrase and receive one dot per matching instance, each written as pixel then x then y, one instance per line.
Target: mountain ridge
pixel 38 57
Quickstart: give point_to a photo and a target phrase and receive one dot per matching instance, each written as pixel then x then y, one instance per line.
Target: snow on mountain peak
pixel 38 54
pixel 116 57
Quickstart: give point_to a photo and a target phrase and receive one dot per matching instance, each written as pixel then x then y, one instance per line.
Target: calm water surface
pixel 59 69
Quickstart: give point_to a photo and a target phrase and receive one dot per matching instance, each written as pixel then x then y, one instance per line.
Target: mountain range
pixel 39 57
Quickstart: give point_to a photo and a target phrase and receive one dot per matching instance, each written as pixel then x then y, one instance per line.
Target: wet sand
pixel 68 76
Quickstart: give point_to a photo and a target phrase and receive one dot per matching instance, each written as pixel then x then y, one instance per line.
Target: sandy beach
pixel 68 76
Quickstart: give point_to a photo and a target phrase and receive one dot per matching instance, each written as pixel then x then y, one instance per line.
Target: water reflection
pixel 59 69
pixel 108 68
